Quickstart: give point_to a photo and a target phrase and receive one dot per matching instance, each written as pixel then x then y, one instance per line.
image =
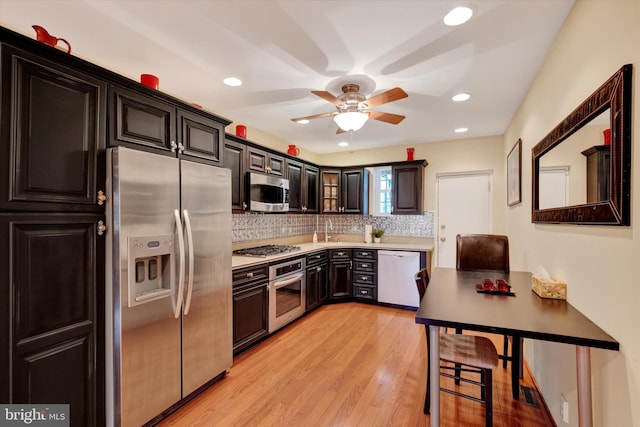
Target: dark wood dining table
pixel 451 301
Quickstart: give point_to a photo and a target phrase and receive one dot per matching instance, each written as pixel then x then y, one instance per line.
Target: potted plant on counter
pixel 377 234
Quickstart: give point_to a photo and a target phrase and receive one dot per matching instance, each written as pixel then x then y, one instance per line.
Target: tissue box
pixel 553 288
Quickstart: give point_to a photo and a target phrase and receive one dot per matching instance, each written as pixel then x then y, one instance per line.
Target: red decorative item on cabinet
pixel 241 131
pixel 43 36
pixel 150 80
pixel 410 151
pixel 607 136
pixel 293 150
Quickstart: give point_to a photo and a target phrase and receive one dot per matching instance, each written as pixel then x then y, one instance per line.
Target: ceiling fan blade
pixel 315 116
pixel 389 96
pixel 391 118
pixel 327 97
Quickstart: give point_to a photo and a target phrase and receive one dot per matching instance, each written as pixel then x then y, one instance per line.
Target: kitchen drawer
pixel 365 254
pixel 316 258
pixel 250 274
pixel 364 266
pixel 365 292
pixel 364 278
pixel 338 254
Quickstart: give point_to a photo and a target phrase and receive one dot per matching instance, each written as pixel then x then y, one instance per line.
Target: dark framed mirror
pixel 582 168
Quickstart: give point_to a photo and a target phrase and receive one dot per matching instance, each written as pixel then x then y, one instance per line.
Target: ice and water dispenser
pixel 151 268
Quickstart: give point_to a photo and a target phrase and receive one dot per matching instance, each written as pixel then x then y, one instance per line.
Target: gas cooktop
pixel 266 250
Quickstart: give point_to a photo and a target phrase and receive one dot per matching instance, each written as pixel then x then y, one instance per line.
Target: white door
pixel 463 206
pixel 554 187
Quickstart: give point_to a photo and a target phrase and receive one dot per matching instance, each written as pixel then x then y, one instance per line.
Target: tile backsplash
pixel 257 226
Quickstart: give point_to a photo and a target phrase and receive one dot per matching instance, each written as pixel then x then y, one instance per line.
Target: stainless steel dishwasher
pixel 396 272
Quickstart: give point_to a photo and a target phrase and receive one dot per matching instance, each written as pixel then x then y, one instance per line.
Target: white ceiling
pixel 284 49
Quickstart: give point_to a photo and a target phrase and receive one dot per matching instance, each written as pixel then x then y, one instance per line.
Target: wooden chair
pixel 468 353
pixel 488 252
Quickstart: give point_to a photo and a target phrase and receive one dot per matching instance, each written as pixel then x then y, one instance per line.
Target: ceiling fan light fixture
pixel 343 144
pixel 302 121
pixel 461 130
pixel 351 120
pixel 458 15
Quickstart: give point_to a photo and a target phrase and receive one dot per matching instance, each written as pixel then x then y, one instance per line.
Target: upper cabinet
pixel 234 159
pixel 303 186
pixel 344 191
pixel 407 189
pixel 264 162
pixel 145 122
pixel 52 132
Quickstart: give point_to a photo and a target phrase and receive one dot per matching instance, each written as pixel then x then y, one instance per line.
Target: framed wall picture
pixel 514 174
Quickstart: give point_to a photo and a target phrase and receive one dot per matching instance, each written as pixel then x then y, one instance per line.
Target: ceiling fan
pixel 353 108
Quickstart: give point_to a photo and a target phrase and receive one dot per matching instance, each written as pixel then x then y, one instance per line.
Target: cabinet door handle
pixel 101 228
pixel 249 275
pixel 180 148
pixel 173 146
pixel 365 265
pixel 244 206
pixel 101 198
pixel 318 269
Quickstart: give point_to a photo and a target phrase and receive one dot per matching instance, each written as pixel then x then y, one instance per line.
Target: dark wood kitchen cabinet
pixel 250 306
pixel 344 191
pixel 52 141
pixel 52 132
pixel 340 274
pixel 317 279
pixel 365 274
pixel 407 189
pixel 234 159
pixel 144 122
pixel 303 186
pixel 53 268
pixel 598 164
pixel 264 162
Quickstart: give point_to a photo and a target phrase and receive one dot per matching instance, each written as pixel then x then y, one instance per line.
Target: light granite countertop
pixel 244 261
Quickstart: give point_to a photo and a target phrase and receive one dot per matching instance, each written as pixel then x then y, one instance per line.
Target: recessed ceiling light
pixel 232 81
pixel 343 144
pixel 458 15
pixel 303 121
pixel 461 130
pixel 461 97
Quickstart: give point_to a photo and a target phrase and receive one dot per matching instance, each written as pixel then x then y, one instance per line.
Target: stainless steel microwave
pixel 267 193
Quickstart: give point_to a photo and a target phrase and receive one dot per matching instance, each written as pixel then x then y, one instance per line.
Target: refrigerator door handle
pixel 179 295
pixel 187 225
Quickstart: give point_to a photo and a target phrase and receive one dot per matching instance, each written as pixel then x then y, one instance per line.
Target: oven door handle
pixel 288 281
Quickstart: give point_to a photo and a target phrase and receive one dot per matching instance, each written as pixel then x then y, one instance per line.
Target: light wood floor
pixel 347 364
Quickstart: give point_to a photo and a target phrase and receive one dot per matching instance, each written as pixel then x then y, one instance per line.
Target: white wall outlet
pixel 564 409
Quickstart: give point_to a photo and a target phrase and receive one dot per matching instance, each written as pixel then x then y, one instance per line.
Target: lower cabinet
pixel 52 270
pixel 250 306
pixel 317 275
pixel 365 276
pixel 340 274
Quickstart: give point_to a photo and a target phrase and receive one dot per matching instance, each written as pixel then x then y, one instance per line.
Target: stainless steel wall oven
pixel 287 292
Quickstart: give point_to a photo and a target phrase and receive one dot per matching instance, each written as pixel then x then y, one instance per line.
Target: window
pixel 382 190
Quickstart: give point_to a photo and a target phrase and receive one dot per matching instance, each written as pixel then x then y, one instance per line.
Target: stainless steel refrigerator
pixel 168 284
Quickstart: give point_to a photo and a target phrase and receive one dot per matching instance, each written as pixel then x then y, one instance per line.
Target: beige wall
pixel 599 263
pixel 271 141
pixel 477 154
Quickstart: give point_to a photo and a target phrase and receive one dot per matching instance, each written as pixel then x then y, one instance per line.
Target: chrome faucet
pixel 327 225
